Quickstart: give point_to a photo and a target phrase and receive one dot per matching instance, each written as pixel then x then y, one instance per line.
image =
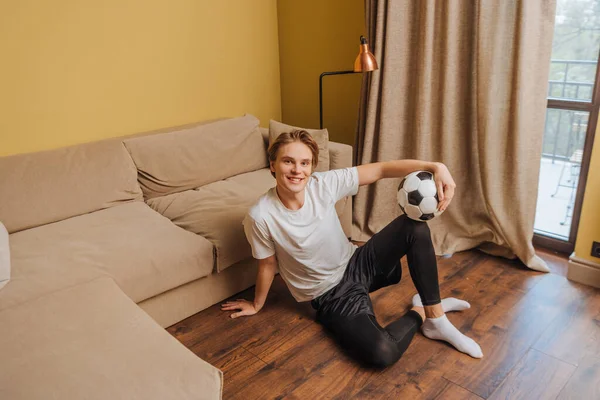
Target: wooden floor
pixel 540 335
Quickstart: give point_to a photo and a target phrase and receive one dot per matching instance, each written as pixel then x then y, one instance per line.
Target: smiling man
pixel 294 228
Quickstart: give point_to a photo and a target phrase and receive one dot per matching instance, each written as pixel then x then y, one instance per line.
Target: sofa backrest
pixel 189 158
pixel 49 186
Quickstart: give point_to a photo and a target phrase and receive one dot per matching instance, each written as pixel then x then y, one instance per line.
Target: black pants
pixel 346 309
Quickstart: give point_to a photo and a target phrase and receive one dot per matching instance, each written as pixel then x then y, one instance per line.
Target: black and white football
pixel 417 196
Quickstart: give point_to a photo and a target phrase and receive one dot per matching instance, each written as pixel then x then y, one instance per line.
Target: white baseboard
pixel 584 271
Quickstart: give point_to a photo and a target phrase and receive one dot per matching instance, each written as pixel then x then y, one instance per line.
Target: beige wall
pixel 317 36
pixel 74 71
pixel 589 224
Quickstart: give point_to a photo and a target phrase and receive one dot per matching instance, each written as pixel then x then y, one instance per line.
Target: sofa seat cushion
pixel 92 342
pixel 142 250
pixel 216 211
pixel 257 182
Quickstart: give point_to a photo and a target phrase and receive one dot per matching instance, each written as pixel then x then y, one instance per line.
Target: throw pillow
pixel 4 256
pixel 321 136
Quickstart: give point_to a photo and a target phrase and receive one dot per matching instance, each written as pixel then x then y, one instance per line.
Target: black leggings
pixel 346 309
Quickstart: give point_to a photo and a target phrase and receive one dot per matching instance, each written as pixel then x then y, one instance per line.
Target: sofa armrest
pixel 340 155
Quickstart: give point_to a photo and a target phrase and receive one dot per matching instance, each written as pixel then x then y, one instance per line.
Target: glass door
pixel 571 117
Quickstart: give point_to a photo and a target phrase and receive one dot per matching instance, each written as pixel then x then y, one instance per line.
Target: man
pixel 294 228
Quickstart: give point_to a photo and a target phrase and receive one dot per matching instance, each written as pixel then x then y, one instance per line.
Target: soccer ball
pixel 417 196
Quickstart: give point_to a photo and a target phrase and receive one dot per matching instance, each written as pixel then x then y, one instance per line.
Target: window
pixel 571 117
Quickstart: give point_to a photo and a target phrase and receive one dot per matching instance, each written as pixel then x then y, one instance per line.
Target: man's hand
pixel 267 267
pixel 445 185
pixel 244 306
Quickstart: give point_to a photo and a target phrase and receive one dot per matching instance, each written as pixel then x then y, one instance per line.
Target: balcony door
pixel 571 118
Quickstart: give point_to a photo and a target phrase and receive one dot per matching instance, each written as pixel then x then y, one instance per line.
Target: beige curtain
pixel 464 83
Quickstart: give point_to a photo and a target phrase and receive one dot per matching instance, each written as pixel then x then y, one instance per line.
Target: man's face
pixel 292 167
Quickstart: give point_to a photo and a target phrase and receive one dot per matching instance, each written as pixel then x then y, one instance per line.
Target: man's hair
pixel 298 135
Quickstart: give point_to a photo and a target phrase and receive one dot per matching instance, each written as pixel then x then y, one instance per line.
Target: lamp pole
pixel 365 62
pixel 321 90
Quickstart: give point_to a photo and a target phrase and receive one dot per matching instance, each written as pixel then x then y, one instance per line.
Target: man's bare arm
pixel 369 173
pixel 267 268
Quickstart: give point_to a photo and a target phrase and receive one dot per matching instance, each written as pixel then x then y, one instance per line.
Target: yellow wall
pixel 317 36
pixel 589 224
pixel 75 71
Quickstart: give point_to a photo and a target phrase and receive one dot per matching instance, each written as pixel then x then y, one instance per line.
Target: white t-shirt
pixel 311 247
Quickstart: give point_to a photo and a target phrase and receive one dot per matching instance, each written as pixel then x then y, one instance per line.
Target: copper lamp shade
pixel 365 61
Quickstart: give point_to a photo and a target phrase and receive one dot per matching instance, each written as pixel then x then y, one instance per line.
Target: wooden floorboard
pixel 455 392
pixel 524 379
pixel 540 335
pixel 585 382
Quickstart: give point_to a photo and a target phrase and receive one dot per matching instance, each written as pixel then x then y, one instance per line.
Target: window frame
pixel 592 107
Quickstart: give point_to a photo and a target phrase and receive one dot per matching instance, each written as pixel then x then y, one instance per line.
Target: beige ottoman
pixel 92 342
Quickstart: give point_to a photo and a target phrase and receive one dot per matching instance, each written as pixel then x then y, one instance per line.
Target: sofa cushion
pixel 321 136
pixel 4 257
pixel 92 342
pixel 255 182
pixel 49 186
pixel 216 211
pixel 184 159
pixel 143 251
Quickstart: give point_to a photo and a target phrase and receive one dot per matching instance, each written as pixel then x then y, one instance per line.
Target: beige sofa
pixel 111 242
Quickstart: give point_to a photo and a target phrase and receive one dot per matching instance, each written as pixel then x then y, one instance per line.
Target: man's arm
pixel 370 173
pixel 267 268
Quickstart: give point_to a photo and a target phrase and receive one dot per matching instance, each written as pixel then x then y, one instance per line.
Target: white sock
pixel 448 304
pixel 442 329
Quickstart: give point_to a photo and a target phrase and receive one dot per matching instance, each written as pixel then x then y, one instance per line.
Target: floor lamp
pixel 365 62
